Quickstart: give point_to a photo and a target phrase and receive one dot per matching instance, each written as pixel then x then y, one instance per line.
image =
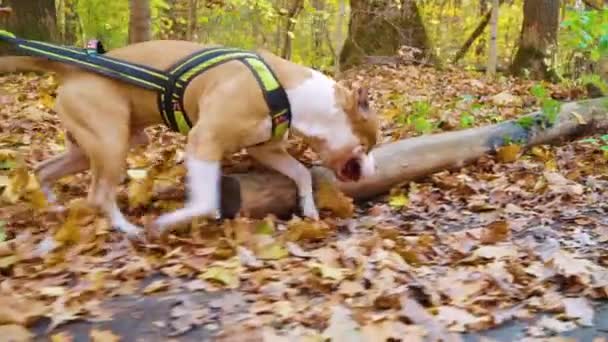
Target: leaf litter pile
pixel 520 235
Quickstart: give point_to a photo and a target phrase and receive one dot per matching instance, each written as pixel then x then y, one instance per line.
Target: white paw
pixel 309 209
pixel 183 215
pixel 130 229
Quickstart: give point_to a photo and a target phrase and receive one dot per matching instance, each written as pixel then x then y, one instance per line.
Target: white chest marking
pixel 315 112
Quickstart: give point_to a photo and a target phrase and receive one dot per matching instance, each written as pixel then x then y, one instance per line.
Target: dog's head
pixel 346 148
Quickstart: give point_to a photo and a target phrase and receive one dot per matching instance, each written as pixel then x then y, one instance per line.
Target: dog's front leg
pixel 274 156
pixel 203 166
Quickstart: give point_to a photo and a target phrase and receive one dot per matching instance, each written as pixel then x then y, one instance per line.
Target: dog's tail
pixel 26 63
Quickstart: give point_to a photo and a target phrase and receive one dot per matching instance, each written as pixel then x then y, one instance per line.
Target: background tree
pixel 538 39
pixel 381 27
pixel 140 29
pixel 32 19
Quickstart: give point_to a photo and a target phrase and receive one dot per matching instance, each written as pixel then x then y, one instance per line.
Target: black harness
pixel 170 84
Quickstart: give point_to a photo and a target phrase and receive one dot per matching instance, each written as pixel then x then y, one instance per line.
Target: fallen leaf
pixel 416 313
pixel 329 197
pixel 156 286
pixel 103 336
pixel 580 309
pixel 21 311
pixel 508 153
pixel 496 252
pixel 342 327
pixel 15 333
pixel 223 275
pixel 273 251
pixel 457 319
pixel 63 336
pixel 398 201
pixel 496 231
pixel 328 272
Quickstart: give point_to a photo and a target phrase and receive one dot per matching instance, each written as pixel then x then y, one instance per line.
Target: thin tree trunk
pixel 139 21
pixel 493 49
pixel 538 39
pixel 473 37
pixel 339 35
pixel 192 20
pixel 290 26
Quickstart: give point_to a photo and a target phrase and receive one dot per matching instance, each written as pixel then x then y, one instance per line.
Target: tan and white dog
pixel 105 117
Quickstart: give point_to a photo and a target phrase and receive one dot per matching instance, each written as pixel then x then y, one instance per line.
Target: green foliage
pixel 549 107
pixel 419 118
pixel 586 32
pixel 104 20
pixel 466 120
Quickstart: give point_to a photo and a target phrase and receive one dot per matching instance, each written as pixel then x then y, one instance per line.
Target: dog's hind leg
pixel 103 135
pixel 72 161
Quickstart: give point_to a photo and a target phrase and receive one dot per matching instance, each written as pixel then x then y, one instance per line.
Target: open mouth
pixel 350 171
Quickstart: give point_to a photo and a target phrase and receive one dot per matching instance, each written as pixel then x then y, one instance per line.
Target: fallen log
pixel 259 194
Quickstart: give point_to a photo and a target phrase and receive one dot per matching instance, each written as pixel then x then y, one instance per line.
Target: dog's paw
pixel 183 215
pixel 131 230
pixel 309 209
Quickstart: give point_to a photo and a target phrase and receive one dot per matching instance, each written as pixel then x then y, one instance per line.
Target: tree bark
pixel 259 194
pixel 139 21
pixel 493 49
pixel 30 19
pixel 192 19
pixel 487 16
pixel 538 39
pixel 381 27
pixel 290 25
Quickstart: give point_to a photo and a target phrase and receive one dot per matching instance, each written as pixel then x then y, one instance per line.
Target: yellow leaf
pixel 47 100
pixel 103 336
pixel 8 261
pixel 329 197
pixel 79 214
pixel 156 286
pixel 53 291
pixel 265 227
pixel 328 272
pixel 508 153
pixel 223 275
pixel 398 201
pixel 62 337
pixel 299 230
pixel 17 186
pixel 140 192
pixel 273 251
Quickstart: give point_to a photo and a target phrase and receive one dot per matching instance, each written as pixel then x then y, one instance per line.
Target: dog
pixel 104 118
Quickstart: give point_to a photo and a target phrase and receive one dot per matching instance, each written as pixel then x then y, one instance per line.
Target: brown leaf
pixel 329 197
pixel 15 333
pixel 496 231
pixel 21 311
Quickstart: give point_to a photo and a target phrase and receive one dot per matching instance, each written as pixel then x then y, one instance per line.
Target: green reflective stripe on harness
pixel 268 81
pixel 222 58
pixel 29 48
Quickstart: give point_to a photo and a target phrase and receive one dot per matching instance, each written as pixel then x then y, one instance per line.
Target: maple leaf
pixel 508 153
pixel 103 336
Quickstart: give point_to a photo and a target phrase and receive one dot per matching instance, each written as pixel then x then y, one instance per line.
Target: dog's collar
pixel 170 85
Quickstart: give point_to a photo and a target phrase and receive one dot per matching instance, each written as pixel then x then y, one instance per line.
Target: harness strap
pixel 170 85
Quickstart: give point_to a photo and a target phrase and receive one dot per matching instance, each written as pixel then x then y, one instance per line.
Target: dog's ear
pixel 361 95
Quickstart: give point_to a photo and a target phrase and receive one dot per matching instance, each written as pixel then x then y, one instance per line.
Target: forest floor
pixel 513 247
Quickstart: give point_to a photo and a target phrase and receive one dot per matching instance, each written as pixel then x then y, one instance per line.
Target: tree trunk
pixel 493 49
pixel 259 194
pixel 380 28
pixel 30 19
pixel 139 21
pixel 538 39
pixel 192 19
pixel 290 25
pixel 339 35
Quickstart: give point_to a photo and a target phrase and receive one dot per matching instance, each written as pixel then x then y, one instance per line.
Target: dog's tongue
pixel 351 171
